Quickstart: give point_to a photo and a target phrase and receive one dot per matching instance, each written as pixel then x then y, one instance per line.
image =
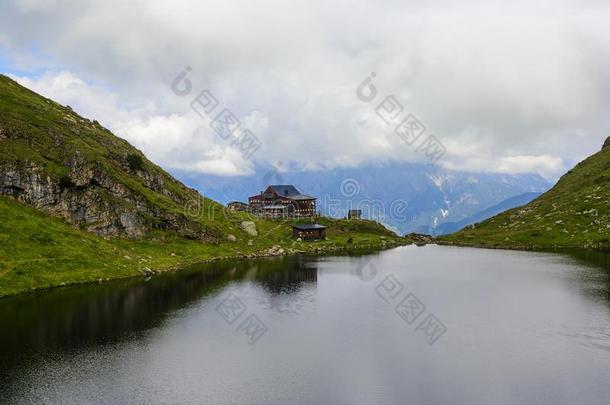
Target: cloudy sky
pixel 505 86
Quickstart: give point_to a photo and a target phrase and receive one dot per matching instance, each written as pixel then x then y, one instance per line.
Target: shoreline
pixel 524 248
pixel 265 253
pixel 278 250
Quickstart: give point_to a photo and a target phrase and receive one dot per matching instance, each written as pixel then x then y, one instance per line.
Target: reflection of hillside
pixel 594 277
pixel 82 316
pixel 93 314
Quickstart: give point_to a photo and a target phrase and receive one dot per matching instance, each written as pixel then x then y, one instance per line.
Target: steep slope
pixel 574 213
pixel 55 160
pixel 512 202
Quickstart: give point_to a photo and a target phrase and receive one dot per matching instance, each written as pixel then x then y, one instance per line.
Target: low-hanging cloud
pixel 506 87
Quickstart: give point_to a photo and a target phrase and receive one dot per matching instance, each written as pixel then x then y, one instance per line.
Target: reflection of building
pixel 309 231
pixel 237 206
pixel 290 282
pixel 283 200
pixel 354 214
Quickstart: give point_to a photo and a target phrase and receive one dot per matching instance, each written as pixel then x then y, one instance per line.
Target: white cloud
pixel 174 141
pixel 546 165
pixel 506 87
pixel 68 89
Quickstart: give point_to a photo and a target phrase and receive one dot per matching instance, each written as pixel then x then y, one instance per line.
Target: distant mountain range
pixel 407 197
pixel 512 202
pixel 574 213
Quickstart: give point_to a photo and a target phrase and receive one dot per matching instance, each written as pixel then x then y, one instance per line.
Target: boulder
pixel 249 227
pixel 275 250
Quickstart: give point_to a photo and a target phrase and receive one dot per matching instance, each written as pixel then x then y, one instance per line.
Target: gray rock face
pixel 92 199
pixel 73 168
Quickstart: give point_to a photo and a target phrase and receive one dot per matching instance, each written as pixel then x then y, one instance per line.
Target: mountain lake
pixel 410 325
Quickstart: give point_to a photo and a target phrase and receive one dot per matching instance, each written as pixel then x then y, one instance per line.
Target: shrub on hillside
pixel 135 162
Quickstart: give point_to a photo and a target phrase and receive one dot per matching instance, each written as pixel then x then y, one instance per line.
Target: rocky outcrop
pixel 419 239
pixel 90 198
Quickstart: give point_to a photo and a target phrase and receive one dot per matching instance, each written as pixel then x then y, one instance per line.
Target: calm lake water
pixel 410 325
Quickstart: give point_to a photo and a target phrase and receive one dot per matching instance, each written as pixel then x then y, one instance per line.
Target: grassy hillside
pixel 78 204
pixel 574 213
pixel 39 251
pixel 56 160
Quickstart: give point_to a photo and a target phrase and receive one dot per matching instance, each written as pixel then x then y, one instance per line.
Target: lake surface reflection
pixel 408 325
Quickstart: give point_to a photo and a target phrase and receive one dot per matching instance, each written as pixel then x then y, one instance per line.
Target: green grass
pixel 38 251
pixel 574 213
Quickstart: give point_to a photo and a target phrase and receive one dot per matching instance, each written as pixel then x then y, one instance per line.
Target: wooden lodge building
pixel 309 231
pixel 281 201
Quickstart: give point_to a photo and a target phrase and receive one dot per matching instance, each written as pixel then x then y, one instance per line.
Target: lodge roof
pixel 289 191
